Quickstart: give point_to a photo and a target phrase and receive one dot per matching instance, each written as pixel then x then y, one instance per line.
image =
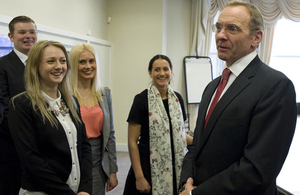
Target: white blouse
pixel 71 133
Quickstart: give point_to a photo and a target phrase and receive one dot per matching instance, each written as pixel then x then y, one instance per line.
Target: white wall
pixel 71 15
pixel 139 30
pixel 178 39
pixel 136 32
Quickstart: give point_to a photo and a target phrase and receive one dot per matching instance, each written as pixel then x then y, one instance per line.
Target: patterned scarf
pixel 160 141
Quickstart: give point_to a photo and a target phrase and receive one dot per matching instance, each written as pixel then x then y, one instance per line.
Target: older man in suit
pixel 246 120
pixel 22 32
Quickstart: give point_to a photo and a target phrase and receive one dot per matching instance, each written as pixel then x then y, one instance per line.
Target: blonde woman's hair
pixel 73 79
pixel 33 86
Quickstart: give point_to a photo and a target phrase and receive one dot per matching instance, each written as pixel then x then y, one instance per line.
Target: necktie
pixel 222 84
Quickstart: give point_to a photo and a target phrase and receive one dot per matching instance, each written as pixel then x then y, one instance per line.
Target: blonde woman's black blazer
pixel 44 150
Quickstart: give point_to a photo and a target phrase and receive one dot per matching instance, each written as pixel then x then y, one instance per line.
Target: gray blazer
pixel 109 158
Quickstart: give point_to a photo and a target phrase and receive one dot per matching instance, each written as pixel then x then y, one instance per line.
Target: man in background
pixel 246 120
pixel 22 32
pixel 1 107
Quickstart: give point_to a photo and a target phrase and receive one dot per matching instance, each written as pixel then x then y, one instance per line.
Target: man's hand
pixel 83 193
pixel 188 187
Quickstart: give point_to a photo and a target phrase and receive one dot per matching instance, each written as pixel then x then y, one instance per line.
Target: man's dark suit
pixel 247 137
pixel 11 84
pixel 1 106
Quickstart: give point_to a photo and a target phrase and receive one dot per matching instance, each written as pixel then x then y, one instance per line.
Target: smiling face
pixel 52 68
pixel 24 36
pixel 160 73
pixel 233 47
pixel 87 66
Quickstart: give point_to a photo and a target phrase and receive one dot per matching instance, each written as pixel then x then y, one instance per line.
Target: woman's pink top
pixel 93 120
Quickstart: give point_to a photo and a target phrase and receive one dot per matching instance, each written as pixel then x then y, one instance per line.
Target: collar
pixel 238 66
pixel 53 102
pixel 22 56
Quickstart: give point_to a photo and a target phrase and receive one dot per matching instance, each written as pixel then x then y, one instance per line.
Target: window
pixel 217 64
pixel 5 45
pixel 285 57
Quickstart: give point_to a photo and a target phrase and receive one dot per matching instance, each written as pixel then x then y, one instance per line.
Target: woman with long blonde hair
pixel 96 110
pixel 47 129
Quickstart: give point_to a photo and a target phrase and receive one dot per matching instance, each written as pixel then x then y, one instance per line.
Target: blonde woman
pixel 96 110
pixel 47 129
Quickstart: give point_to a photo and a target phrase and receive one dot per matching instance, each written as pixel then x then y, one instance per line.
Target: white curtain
pixel 199 16
pixel 203 13
pixel 272 11
pixel 200 45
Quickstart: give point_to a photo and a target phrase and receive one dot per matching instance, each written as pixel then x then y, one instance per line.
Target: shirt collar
pixel 22 56
pixel 238 66
pixel 52 101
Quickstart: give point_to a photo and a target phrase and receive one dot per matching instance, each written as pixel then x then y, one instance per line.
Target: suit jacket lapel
pixel 208 93
pixel 240 83
pixel 105 110
pixel 205 103
pixel 16 62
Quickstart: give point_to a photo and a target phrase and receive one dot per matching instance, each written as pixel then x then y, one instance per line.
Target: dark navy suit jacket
pixel 247 137
pixel 11 84
pixel 1 107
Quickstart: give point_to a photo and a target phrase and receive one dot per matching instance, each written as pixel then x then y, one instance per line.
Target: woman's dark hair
pixel 159 56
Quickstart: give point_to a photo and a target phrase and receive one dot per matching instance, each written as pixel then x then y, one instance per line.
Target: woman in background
pixel 96 110
pixel 156 143
pixel 47 129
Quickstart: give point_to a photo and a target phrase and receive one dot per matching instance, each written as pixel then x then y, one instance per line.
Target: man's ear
pixel 11 37
pixel 257 37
